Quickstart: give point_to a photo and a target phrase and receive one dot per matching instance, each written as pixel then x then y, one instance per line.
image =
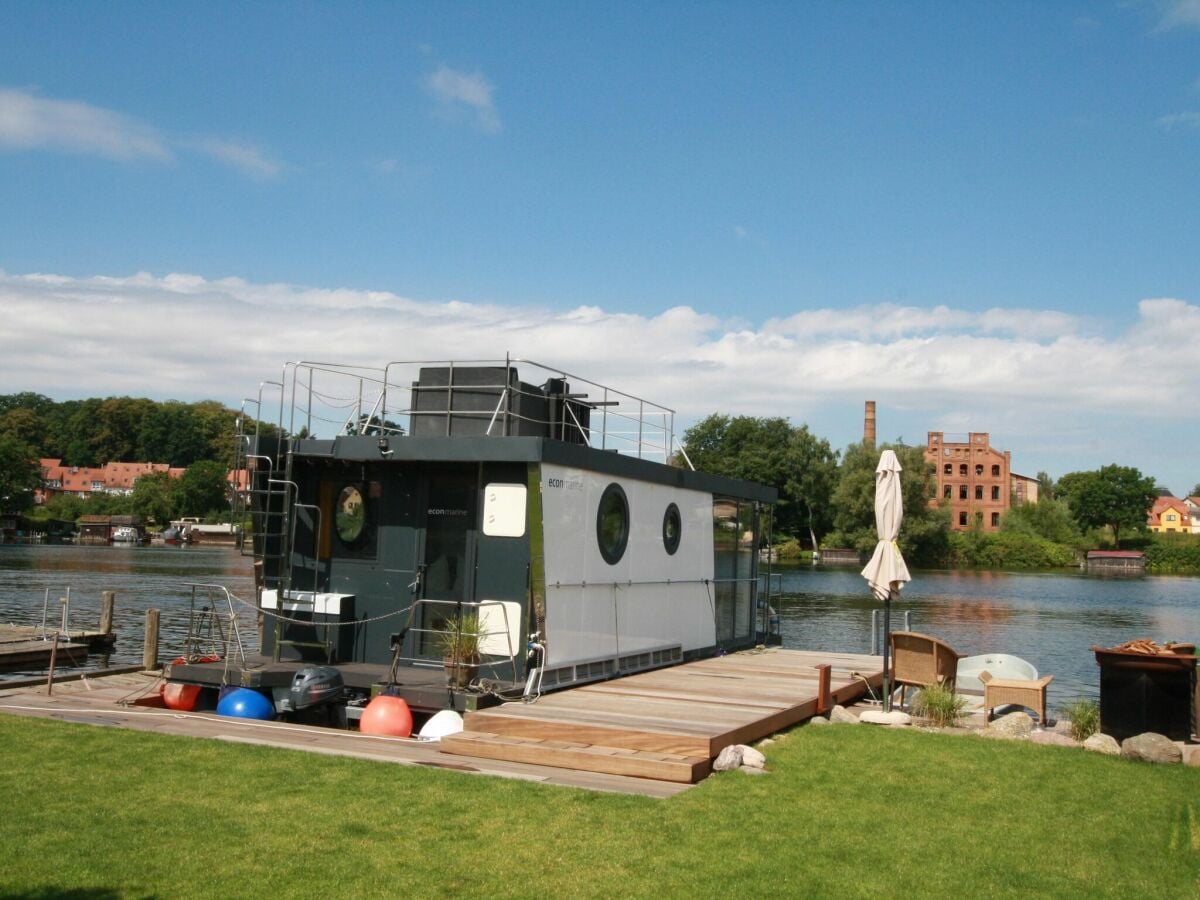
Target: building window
pixel 350 515
pixel 978 470
pixel 672 529
pixel 995 492
pixel 962 517
pixel 948 493
pixel 995 520
pixel 979 492
pixel 962 470
pixel 962 492
pixel 995 471
pixel 949 469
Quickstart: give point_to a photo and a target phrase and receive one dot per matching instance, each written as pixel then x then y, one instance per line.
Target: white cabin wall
pixel 582 621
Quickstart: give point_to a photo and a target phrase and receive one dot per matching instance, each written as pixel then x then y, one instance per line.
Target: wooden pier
pixel 24 646
pixel 668 724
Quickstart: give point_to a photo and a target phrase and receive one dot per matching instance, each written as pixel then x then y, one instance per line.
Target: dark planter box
pixel 1141 692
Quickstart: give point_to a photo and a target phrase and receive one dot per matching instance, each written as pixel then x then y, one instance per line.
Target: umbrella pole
pixel 887 674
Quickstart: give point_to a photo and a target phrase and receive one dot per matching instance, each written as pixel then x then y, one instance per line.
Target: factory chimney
pixel 869 425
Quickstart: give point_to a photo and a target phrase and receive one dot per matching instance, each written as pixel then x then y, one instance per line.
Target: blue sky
pixel 734 207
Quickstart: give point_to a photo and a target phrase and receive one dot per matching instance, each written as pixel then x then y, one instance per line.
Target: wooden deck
pixel 22 646
pixel 671 723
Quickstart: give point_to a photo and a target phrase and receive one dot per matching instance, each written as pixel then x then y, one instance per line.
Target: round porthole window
pixel 351 515
pixel 672 528
pixel 612 523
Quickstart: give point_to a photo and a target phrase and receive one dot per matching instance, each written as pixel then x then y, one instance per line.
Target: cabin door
pixel 448 553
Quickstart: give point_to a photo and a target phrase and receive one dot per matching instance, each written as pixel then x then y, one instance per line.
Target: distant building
pixel 1024 489
pixel 1193 505
pixel 974 480
pixel 1169 515
pixel 83 481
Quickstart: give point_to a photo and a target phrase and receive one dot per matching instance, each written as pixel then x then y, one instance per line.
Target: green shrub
pixel 1173 554
pixel 1008 550
pixel 939 704
pixel 1084 715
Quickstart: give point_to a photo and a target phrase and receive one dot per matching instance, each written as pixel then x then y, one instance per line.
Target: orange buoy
pixel 386 715
pixel 180 696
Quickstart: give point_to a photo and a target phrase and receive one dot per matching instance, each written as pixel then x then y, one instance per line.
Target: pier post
pixel 823 698
pixel 107 599
pixel 150 653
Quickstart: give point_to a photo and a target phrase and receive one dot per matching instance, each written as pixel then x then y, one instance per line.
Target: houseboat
pixel 391 505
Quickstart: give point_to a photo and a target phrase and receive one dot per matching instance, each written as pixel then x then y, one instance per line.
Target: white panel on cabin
pixel 500 623
pixel 504 510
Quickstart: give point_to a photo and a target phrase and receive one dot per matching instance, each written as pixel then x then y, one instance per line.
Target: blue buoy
pixel 245 704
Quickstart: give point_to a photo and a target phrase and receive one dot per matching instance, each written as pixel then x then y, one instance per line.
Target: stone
pixel 766 742
pixel 1014 726
pixel 1151 747
pixel 1191 754
pixel 842 715
pixel 728 759
pixel 879 717
pixel 818 720
pixel 1053 739
pixel 752 770
pixel 751 758
pixel 1103 743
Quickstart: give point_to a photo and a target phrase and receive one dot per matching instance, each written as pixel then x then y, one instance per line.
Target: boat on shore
pixel 555 521
pixel 998 665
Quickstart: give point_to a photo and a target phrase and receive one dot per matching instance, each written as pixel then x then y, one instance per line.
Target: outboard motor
pixel 315 686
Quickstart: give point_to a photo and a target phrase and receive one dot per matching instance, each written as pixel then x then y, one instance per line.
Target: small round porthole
pixel 612 524
pixel 672 529
pixel 351 515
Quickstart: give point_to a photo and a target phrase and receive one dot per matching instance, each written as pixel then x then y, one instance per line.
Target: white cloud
pixel 1179 14
pixel 30 122
pixel 455 90
pixel 246 158
pixel 1191 119
pixel 1037 379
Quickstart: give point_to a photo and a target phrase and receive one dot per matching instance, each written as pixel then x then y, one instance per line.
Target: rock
pixel 1191 755
pixel 879 717
pixel 766 742
pixel 1103 743
pixel 842 715
pixel 1014 726
pixel 1053 738
pixel 1151 747
pixel 752 759
pixel 752 770
pixel 728 759
pixel 818 720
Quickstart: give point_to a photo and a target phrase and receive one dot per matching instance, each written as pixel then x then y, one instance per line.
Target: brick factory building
pixel 973 479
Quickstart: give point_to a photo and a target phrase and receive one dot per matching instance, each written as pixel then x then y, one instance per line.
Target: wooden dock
pixel 668 724
pixel 23 646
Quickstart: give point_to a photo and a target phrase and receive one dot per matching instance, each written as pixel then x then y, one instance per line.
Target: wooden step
pixel 562 725
pixel 578 756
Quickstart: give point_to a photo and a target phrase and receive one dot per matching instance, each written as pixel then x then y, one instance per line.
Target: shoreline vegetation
pixel 841 811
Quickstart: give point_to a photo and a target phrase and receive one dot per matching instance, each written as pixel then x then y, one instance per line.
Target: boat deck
pixel 668 724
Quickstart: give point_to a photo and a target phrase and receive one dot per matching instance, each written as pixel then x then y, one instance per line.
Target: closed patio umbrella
pixel 887 573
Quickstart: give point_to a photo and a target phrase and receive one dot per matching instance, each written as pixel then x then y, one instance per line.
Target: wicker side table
pixel 1012 692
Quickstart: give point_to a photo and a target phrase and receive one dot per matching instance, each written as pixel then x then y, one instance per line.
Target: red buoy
pixel 388 716
pixel 180 696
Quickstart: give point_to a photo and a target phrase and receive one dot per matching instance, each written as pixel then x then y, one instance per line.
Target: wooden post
pixel 150 653
pixel 50 675
pixel 106 611
pixel 823 698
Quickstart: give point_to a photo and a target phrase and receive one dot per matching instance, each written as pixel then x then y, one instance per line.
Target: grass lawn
pixel 847 811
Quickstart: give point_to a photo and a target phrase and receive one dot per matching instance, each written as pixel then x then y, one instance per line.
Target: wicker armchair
pixel 919 660
pixel 1011 692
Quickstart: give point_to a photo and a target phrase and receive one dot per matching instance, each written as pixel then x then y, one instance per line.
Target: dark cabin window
pixel 612 523
pixel 350 516
pixel 672 529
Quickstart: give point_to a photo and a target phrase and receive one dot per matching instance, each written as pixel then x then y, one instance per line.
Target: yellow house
pixel 1169 514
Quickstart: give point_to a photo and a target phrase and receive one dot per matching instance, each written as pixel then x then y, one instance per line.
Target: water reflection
pixel 1052 620
pixel 142 577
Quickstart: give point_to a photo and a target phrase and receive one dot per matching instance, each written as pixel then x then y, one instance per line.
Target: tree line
pixel 827 499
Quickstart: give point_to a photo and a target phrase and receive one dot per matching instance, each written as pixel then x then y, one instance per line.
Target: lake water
pixel 142 576
pixel 1052 620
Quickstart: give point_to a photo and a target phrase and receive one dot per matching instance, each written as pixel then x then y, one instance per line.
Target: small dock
pixel 668 724
pixel 23 646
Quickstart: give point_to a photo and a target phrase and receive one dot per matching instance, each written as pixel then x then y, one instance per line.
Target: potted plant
pixel 459 640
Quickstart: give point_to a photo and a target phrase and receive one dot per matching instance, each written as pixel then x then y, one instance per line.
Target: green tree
pixel 19 474
pixel 1048 518
pixel 801 466
pixel 1116 497
pixel 200 490
pixel 1045 485
pixel 924 533
pixel 152 497
pixel 1195 490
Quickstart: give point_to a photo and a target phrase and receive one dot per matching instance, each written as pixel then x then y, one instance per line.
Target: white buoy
pixel 441 724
